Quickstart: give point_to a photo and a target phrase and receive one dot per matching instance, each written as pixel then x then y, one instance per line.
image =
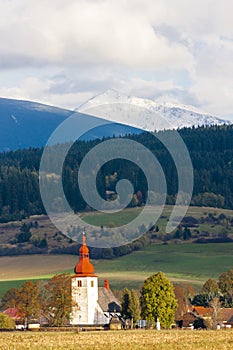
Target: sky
pixel 63 52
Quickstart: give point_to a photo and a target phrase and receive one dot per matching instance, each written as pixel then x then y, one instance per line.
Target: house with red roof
pixel 13 312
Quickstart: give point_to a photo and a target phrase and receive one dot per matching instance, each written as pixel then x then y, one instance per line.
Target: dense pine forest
pixel 211 152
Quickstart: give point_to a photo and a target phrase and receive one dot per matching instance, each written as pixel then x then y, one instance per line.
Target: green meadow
pixel 187 263
pixel 123 217
pixel 182 262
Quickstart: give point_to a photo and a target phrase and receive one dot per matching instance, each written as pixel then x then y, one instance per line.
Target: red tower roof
pixel 84 267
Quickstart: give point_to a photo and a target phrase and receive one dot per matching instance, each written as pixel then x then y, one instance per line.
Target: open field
pixel 123 217
pixel 183 262
pixel 189 263
pixel 15 270
pixel 186 262
pixel 118 340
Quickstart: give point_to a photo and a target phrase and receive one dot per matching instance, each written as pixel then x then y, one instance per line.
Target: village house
pixel 225 317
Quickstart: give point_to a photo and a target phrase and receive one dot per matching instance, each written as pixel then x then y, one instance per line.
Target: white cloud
pixel 150 48
pixel 82 33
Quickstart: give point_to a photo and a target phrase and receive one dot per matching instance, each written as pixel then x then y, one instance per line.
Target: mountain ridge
pixel 25 124
pixel 158 115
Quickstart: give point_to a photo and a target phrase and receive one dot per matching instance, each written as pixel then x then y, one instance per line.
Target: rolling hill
pixel 182 263
pixel 25 124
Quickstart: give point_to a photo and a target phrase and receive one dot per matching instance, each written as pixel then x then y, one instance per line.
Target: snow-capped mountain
pixel 147 114
pixel 25 124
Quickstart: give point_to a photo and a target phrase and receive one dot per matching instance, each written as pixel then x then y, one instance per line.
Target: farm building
pixel 94 305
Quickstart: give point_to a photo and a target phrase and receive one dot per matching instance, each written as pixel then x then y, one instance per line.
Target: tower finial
pixel 84 267
pixel 84 240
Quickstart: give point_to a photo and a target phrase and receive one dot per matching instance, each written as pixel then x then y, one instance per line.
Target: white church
pixel 94 305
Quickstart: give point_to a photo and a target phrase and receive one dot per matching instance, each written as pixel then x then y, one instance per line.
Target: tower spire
pixel 84 239
pixel 84 267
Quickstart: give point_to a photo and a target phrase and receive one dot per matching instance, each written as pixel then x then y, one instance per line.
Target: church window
pixel 79 283
pixel 92 283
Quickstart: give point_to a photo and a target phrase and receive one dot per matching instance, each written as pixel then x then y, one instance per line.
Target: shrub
pixel 6 322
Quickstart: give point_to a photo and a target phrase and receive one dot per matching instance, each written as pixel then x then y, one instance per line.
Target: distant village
pixel 68 302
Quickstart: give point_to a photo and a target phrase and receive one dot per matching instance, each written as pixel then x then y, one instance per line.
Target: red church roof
pixel 84 267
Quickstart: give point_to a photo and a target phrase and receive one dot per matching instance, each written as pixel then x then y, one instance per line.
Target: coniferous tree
pixel 125 311
pixel 134 307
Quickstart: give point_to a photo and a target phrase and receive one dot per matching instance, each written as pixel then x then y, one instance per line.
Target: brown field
pixel 34 266
pixel 119 340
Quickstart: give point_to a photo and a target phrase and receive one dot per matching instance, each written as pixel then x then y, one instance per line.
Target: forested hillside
pixel 211 152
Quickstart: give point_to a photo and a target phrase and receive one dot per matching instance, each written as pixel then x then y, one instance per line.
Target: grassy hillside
pixel 42 228
pixel 188 263
pixel 123 217
pixel 181 261
pixel 192 263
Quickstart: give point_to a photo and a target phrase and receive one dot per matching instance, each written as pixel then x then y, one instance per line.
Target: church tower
pixel 84 287
pixel 93 305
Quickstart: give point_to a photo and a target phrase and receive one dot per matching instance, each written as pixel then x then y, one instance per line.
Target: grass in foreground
pixel 118 340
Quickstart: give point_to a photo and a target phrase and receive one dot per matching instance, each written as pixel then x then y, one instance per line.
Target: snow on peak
pixel 145 113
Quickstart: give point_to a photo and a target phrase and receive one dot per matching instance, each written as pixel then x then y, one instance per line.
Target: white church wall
pixel 85 294
pixel 101 317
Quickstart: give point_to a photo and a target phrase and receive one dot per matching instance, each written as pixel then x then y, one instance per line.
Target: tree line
pixel 157 301
pixel 51 300
pixel 211 153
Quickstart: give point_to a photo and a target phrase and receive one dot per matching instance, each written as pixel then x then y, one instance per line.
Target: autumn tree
pixel 158 300
pixel 226 287
pixel 57 302
pixel 10 298
pixel 211 288
pixel 29 302
pixel 183 301
pixel 26 299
